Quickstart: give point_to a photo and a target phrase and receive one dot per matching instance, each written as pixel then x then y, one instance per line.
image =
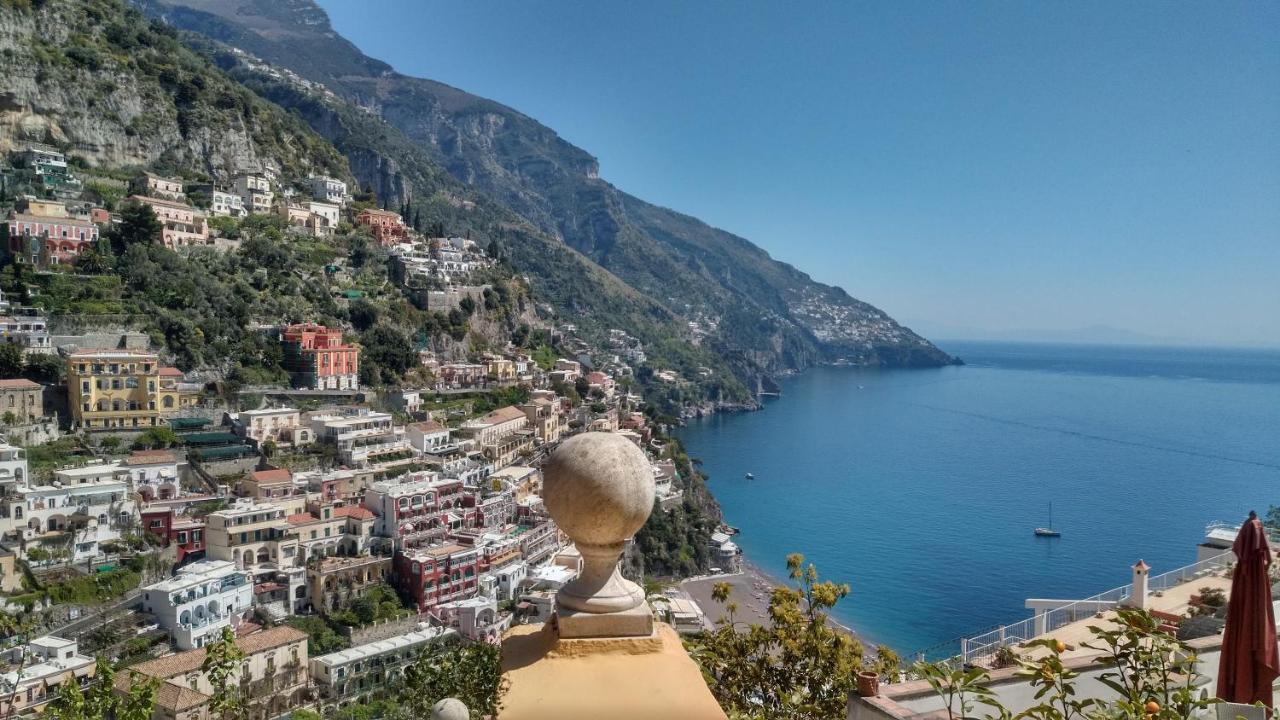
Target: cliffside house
pixel 21 399
pixel 317 358
pixel 255 191
pixel 45 240
pixel 182 226
pixel 157 186
pixel 387 227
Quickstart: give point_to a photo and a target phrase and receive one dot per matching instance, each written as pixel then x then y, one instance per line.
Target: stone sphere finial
pixel 450 709
pixel 599 489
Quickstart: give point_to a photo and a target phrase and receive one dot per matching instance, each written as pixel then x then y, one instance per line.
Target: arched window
pixel 168 401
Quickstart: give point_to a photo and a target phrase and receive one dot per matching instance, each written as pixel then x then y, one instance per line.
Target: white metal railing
pixel 983 646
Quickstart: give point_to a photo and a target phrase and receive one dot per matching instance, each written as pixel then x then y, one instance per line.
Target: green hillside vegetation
pixel 763 316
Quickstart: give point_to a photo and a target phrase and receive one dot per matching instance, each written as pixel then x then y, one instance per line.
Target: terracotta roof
pixel 302 519
pixel 501 415
pixel 275 475
pixel 189 661
pixel 149 457
pixel 53 220
pixel 428 426
pixel 353 511
pixel 18 383
pixel 170 695
pixel 170 372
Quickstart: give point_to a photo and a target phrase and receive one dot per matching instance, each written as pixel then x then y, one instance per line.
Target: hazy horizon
pixel 972 165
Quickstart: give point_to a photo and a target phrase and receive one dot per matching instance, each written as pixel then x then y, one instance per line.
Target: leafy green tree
pixel 797 667
pixel 363 314
pixel 156 438
pixel 23 625
pixel 97 260
pixel 1152 675
pixel 322 638
pixel 388 349
pixel 471 673
pixel 11 364
pixel 99 701
pixel 223 664
pixel 136 224
pixel 44 368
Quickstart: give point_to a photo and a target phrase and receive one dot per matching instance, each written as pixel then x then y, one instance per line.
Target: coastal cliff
pixel 761 316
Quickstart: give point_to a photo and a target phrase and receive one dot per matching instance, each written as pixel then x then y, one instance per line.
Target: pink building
pixel 43 241
pixel 183 225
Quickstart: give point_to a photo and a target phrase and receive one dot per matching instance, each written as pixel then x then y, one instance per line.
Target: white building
pixel 28 330
pixel 329 190
pixel 254 190
pixel 363 438
pixel 13 467
pixel 226 204
pixel 475 618
pixel 725 553
pixel 328 213
pixel 283 426
pixel 91 503
pixel 348 674
pixel 50 662
pixel 428 436
pixel 199 601
pixel 153 473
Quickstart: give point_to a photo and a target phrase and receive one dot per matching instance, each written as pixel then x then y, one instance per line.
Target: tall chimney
pixel 1139 597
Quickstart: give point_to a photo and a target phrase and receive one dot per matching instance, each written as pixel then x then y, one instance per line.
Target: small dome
pixel 450 709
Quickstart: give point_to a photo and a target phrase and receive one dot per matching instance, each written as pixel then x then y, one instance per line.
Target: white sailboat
pixel 1048 531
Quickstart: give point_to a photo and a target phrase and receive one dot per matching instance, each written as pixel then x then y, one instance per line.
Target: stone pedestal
pixel 632 622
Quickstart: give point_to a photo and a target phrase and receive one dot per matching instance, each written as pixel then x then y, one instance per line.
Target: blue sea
pixel 921 488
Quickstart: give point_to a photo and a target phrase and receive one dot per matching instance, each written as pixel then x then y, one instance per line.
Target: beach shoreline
pixel 750 589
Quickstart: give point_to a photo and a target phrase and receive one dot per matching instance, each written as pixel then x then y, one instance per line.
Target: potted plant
pixel 868 683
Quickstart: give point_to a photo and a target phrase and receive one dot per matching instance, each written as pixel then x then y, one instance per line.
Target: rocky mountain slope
pixel 760 315
pixel 98 78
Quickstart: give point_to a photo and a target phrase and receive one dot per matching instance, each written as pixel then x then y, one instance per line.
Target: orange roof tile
pixel 353 511
pixel 275 475
pixel 191 660
pixel 18 383
pixel 149 457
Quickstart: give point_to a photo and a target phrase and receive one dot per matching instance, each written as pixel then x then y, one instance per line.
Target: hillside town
pixel 338 530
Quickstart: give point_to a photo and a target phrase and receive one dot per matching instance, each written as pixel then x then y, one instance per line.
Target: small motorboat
pixel 750 476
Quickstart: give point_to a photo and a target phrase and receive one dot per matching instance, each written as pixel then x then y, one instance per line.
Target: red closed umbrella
pixel 1249 661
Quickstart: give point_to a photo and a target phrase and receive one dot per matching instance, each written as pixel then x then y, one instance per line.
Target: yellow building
pixel 499 368
pixel 121 389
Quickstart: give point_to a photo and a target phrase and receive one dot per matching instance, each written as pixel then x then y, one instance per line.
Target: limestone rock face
pixel 599 488
pixel 114 92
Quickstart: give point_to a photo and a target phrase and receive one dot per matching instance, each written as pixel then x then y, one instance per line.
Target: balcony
pixel 206 621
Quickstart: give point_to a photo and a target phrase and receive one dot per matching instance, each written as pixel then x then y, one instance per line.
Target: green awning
pixel 210 438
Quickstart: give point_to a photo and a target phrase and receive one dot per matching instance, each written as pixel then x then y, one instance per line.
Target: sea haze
pixel 921 488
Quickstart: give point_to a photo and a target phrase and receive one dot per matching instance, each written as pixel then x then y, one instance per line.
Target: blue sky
pixel 962 165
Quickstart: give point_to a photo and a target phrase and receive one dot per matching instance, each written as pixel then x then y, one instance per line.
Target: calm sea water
pixel 920 488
